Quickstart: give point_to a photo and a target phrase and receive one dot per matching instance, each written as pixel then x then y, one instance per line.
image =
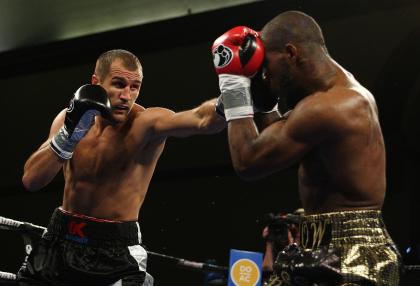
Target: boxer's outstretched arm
pixel 43 165
pixel 200 120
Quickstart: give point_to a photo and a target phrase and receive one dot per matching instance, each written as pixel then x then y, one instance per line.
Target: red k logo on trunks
pixel 76 228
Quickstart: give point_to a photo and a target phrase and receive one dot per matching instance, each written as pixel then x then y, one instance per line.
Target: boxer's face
pixel 123 87
pixel 276 73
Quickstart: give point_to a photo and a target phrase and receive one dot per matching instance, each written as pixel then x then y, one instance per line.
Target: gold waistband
pixel 356 227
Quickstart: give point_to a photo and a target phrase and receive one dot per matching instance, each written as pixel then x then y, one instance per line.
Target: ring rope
pixel 412 267
pixel 14 225
pixel 7 222
pixel 190 264
pixel 6 276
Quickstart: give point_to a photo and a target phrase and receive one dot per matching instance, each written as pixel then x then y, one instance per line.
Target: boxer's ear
pixel 291 51
pixel 94 79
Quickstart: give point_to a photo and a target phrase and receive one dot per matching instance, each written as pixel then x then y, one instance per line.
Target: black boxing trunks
pixel 341 248
pixel 82 250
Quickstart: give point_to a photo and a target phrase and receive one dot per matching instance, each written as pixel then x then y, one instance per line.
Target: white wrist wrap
pixel 61 145
pixel 236 96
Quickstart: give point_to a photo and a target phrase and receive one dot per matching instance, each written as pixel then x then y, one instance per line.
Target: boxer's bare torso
pixel 347 169
pixel 111 168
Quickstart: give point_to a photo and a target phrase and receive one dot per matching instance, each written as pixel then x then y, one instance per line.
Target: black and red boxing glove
pixel 238 51
pixel 237 55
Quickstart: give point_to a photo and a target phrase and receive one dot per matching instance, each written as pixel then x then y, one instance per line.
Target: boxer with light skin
pixel 107 146
pixel 333 133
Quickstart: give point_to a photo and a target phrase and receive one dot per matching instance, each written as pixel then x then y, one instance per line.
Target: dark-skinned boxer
pixel 333 133
pixel 108 147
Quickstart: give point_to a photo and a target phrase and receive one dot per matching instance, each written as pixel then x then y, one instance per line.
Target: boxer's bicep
pixel 55 126
pixel 255 154
pixel 313 122
pixel 57 123
pixel 282 144
pixel 272 150
pixel 307 127
pixel 43 165
pixel 200 120
pixel 166 123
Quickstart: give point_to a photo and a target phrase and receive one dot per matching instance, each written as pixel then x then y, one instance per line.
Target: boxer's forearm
pixel 41 168
pixel 241 134
pixel 211 121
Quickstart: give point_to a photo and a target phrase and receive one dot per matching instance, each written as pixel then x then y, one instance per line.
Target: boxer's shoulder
pixel 149 115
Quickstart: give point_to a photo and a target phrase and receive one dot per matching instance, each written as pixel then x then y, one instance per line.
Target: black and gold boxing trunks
pixel 340 248
pixel 82 250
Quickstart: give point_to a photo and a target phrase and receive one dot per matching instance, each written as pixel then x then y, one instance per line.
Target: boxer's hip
pixel 364 227
pixel 92 231
pixel 81 248
pixel 344 247
pixel 361 241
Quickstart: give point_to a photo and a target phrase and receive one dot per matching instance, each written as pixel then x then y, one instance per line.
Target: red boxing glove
pixel 238 51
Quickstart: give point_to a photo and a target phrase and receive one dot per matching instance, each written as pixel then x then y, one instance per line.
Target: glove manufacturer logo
pixel 71 106
pixel 75 232
pixel 76 228
pixel 222 56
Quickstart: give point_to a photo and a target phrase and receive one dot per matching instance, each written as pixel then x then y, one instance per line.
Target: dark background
pixel 196 207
